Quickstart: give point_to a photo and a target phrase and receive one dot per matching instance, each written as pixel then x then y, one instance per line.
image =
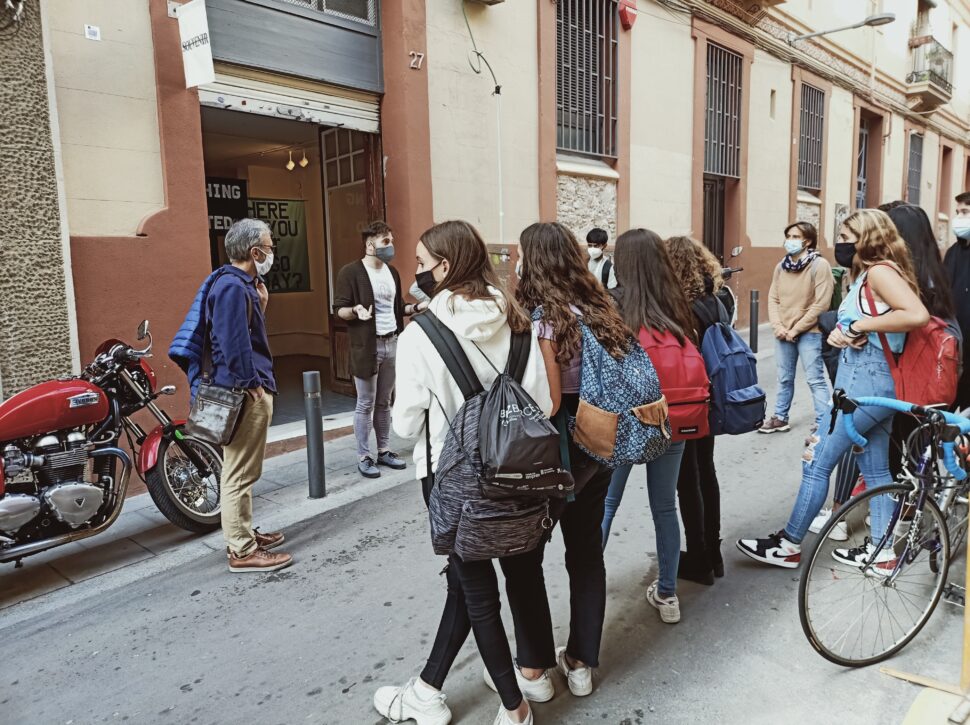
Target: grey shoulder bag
pixel 216 411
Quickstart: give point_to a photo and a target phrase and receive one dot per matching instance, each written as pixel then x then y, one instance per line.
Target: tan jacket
pixel 796 299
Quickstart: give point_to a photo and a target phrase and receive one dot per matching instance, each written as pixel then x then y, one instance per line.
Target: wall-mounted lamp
pixel 291 164
pixel 873 20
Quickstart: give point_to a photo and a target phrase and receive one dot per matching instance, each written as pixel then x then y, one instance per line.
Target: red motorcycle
pixel 60 459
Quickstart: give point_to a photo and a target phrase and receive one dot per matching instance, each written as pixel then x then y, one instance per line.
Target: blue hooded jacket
pixel 186 348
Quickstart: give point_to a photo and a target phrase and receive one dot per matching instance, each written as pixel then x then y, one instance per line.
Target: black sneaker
pixel 368 469
pixel 775 549
pixel 391 460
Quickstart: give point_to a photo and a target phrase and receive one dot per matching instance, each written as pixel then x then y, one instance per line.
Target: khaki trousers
pixel 242 466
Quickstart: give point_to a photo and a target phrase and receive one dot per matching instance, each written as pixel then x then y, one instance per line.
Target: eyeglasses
pixel 272 247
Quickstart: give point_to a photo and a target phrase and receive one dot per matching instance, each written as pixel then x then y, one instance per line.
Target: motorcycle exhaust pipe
pixel 35 547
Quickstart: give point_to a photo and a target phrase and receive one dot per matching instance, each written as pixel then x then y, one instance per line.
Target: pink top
pixel 570 372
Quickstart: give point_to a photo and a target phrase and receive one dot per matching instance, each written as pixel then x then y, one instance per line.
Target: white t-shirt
pixel 596 267
pixel 382 282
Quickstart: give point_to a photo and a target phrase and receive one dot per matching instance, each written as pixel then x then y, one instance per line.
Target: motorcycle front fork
pixel 170 432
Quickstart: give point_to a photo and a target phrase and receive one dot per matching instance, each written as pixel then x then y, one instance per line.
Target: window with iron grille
pixel 587 34
pixel 722 126
pixel 810 133
pixel 915 174
pixel 362 10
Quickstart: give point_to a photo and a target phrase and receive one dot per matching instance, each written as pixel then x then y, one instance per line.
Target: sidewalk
pixel 142 536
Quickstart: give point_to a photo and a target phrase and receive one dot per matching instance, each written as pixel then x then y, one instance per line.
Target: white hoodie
pixel 422 375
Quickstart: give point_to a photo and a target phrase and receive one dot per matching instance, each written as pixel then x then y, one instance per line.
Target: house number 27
pixel 416 59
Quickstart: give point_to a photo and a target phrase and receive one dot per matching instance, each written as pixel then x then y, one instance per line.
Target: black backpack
pixel 605 273
pixel 500 463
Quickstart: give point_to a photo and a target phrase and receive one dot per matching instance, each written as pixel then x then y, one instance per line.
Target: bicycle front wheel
pixel 857 610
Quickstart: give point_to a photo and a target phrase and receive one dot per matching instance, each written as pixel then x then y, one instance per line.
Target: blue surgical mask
pixel 793 246
pixel 385 254
pixel 961 227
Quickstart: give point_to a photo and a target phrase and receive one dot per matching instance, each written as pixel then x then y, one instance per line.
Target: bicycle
pixel 855 609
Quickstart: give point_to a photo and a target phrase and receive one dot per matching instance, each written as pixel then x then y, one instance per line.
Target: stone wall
pixel 583 203
pixel 35 330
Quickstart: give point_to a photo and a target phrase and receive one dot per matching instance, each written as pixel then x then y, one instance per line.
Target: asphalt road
pixel 359 609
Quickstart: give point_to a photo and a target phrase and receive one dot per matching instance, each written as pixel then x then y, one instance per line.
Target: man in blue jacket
pixel 235 307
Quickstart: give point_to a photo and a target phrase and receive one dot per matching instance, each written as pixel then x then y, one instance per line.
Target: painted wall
pixel 893 160
pixel 108 118
pixel 661 132
pixel 463 115
pixel 839 164
pixel 769 152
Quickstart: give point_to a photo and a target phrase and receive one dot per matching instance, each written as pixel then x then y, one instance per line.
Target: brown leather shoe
pixel 259 560
pixel 268 541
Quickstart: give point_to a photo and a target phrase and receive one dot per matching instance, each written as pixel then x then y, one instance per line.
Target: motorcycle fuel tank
pixel 53 405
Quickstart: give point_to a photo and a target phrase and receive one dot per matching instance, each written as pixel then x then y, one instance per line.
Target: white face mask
pixel 595 252
pixel 263 268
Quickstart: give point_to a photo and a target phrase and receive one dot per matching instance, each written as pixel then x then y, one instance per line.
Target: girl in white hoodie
pixel 455 271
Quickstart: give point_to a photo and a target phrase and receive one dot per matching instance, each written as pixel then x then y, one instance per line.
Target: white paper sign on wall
pixel 196 50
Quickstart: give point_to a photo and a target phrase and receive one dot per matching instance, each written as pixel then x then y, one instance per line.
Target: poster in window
pixel 287 222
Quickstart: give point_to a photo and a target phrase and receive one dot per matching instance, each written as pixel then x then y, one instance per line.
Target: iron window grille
pixel 811 128
pixel 587 39
pixel 364 11
pixel 915 171
pixel 722 126
pixel 862 165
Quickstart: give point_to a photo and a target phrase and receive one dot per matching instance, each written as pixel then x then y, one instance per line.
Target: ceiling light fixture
pixel 291 164
pixel 304 162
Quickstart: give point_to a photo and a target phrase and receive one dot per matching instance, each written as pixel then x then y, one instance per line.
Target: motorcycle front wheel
pixel 188 499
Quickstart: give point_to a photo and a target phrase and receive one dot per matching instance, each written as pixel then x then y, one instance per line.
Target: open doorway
pixel 272 169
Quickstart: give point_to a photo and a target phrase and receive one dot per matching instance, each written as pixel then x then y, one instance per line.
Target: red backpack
pixel 683 382
pixel 928 369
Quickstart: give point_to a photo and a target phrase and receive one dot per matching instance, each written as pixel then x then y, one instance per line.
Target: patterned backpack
pixel 622 416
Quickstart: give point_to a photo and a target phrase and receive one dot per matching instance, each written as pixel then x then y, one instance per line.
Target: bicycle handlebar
pixel 959 424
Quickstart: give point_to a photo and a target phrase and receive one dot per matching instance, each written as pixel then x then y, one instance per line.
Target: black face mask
pixel 426 281
pixel 844 253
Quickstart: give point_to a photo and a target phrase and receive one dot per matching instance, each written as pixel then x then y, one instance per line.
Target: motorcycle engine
pixel 59 464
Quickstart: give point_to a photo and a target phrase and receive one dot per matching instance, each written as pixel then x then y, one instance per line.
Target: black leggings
pixel 473 604
pixel 700 502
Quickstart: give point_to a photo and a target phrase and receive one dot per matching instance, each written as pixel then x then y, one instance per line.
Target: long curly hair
pixel 690 266
pixel 470 271
pixel 879 241
pixel 651 293
pixel 555 276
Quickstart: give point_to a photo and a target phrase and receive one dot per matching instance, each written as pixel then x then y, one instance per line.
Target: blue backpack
pixel 622 416
pixel 738 403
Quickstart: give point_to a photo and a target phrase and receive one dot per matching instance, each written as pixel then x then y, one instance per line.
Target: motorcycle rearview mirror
pixel 736 251
pixel 167 390
pixel 143 330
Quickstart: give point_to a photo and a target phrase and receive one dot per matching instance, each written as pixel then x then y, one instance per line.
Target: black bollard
pixel 313 408
pixel 753 330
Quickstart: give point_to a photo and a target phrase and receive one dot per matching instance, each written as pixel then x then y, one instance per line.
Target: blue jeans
pixel 662 492
pixel 861 372
pixel 809 348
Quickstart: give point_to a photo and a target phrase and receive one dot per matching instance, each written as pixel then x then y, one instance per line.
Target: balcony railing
pixel 931 63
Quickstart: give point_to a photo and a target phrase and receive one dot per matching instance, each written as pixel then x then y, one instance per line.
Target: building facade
pixel 683 116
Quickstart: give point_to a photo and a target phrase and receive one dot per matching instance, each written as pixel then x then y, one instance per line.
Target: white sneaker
pixel 503 717
pixel 398 704
pixel 540 690
pixel 579 679
pixel 669 607
pixel 818 523
pixel 839 532
pixel 884 563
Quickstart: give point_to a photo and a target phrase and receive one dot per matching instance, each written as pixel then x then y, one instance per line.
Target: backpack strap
pixel 519 350
pixel 452 355
pixel 605 272
pixel 871 301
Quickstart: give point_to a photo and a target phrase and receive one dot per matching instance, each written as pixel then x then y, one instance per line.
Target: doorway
pixel 714 192
pixel 272 169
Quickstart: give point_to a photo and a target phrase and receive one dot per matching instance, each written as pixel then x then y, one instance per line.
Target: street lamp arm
pixel 880 19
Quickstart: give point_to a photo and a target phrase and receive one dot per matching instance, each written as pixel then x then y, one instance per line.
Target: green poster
pixel 287 220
